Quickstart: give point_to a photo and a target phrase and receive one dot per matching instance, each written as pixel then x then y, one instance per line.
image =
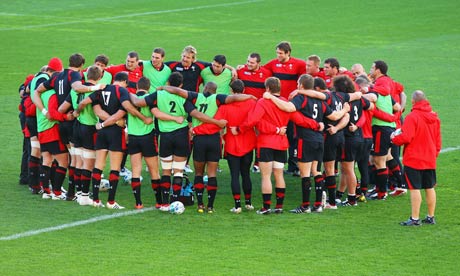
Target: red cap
pixel 55 64
pixel 28 79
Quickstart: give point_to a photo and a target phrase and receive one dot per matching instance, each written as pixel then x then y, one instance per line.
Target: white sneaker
pixel 249 207
pixel 78 195
pixel 58 197
pixel 98 204
pixel 330 207
pixel 64 191
pixel 115 205
pixel 187 169
pixel 47 196
pixel 85 200
pixel 164 208
pixel 236 210
pixel 255 169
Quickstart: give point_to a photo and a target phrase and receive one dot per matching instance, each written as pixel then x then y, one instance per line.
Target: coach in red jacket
pixel 421 137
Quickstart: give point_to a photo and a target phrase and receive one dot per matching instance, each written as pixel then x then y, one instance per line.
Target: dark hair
pixel 175 79
pixel 362 79
pixel 102 59
pixel 273 84
pixel 320 83
pixel 333 62
pixel 121 76
pixel 237 86
pixel 284 46
pixel 133 54
pixel 306 81
pixel 94 73
pixel 143 84
pixel 382 66
pixel 256 56
pixel 160 51
pixel 210 87
pixel 221 59
pixel 343 83
pixel 76 60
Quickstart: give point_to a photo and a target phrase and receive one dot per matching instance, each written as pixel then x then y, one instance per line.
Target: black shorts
pixel 419 179
pixel 147 144
pixel 66 131
pixel 54 147
pixel 269 155
pixel 76 135
pixel 352 149
pixel 333 147
pixel 111 138
pixel 88 136
pixel 309 151
pixel 175 143
pixel 382 141
pixel 207 148
pixel 31 123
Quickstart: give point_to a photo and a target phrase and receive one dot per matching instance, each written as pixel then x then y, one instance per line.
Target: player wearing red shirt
pixel 313 69
pixel 271 147
pixel 253 76
pixel 421 137
pixel 131 67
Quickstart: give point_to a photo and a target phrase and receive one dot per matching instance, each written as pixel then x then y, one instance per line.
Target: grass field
pixel 418 39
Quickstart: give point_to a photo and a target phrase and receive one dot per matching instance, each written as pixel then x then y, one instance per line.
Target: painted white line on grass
pixel 131 15
pixel 450 149
pixel 74 224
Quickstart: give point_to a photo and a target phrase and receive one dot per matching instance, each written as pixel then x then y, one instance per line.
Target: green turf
pixel 419 40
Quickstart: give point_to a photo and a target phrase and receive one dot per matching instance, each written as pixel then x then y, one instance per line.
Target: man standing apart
pixel 421 137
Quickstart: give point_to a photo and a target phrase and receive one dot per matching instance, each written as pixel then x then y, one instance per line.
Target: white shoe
pixel 115 205
pixel 47 196
pixel 58 197
pixel 249 207
pixel 64 191
pixel 78 195
pixel 187 169
pixel 164 208
pixel 330 207
pixel 236 210
pixel 98 204
pixel 85 200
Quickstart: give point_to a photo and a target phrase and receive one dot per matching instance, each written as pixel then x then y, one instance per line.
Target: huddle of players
pixel 100 105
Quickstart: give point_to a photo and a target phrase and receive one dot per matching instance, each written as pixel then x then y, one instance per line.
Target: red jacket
pixel 421 137
pixel 235 114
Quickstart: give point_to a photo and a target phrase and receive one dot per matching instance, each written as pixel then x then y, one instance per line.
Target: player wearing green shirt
pixel 218 74
pixel 155 70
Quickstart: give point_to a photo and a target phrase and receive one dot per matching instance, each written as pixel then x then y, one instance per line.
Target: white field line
pixel 74 224
pixel 129 15
pixel 106 217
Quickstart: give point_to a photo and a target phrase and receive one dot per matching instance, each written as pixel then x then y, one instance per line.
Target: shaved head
pixel 418 96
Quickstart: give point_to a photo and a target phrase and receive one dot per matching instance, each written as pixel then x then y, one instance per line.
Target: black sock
pixel 45 178
pixel 113 180
pixel 331 185
pixel 280 197
pixel 136 187
pixel 212 191
pixel 165 187
pixel 306 190
pixel 76 180
pixel 59 177
pixel 381 180
pixel 85 179
pixel 351 199
pixel 199 189
pixel 72 181
pixel 177 186
pixel 267 200
pixel 319 186
pixel 157 190
pixel 237 199
pixel 96 181
pixel 34 172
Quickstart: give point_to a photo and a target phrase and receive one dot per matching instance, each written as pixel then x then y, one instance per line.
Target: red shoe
pixel 398 192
